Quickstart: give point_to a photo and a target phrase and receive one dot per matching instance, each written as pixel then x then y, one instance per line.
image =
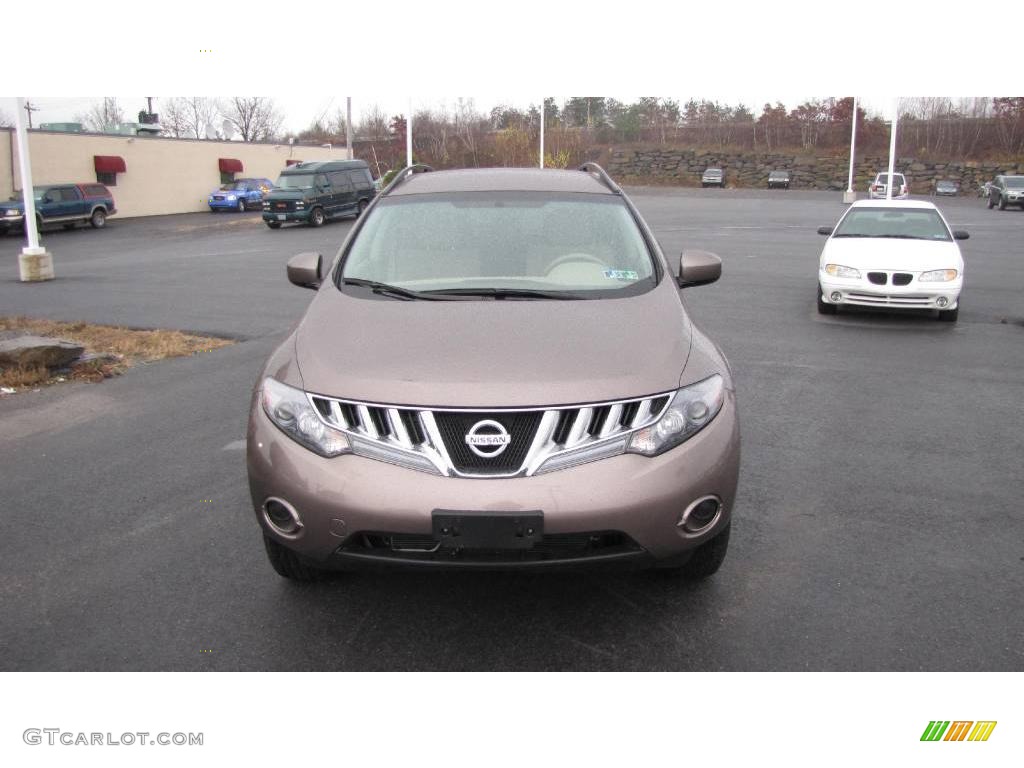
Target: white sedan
pixel 892 253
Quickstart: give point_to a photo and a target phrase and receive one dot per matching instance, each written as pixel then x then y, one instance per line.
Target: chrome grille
pixel 540 439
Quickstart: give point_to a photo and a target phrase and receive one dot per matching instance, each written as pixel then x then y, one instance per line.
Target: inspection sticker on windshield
pixel 621 274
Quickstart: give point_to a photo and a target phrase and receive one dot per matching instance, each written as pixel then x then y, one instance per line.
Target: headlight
pixel 231 197
pixel 691 409
pixel 13 212
pixel 838 270
pixel 291 411
pixel 938 276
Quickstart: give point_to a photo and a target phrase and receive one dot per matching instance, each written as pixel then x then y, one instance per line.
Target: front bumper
pixel 282 216
pixel 231 205
pixel 11 222
pixel 861 292
pixel 340 500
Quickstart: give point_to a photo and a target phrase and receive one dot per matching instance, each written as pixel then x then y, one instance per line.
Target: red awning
pixel 230 165
pixel 109 164
pixel 292 162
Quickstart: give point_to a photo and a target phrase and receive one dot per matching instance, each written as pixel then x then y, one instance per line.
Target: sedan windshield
pixel 295 181
pixel 518 245
pixel 907 223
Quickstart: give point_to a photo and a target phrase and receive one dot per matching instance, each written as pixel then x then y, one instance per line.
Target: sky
pixel 301 109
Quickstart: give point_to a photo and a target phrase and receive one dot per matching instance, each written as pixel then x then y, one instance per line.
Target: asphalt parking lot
pixel 878 524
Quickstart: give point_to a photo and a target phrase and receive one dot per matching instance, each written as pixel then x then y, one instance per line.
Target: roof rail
pixel 602 176
pixel 404 174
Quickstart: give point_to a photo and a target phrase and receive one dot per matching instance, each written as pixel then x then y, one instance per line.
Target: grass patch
pixel 116 349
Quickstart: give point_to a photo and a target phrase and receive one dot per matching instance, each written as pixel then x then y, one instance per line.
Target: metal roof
pixel 501 179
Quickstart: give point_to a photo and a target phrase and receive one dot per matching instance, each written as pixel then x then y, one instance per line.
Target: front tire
pixel 98 220
pixel 949 315
pixel 274 224
pixel 241 206
pixel 705 560
pixel 1002 203
pixel 288 564
pixel 362 207
pixel 824 308
pixel 316 217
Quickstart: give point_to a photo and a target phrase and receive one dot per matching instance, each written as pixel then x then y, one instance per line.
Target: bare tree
pixel 188 116
pixel 373 126
pixel 256 118
pixel 102 117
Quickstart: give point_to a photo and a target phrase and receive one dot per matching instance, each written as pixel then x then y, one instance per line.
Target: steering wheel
pixel 576 258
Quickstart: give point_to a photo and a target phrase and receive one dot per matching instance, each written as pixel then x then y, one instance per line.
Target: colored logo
pixel 958 730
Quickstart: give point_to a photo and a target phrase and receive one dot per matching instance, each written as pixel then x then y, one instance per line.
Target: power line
pixel 30 108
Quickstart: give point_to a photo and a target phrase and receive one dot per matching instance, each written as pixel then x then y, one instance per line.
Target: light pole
pixel 34 263
pixel 892 147
pixel 408 136
pixel 850 196
pixel 541 131
pixel 348 125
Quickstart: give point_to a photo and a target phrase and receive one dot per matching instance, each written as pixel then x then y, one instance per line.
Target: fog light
pixel 701 514
pixel 835 297
pixel 282 517
pixel 941 301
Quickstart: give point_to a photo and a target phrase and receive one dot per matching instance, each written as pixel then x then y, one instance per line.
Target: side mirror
pixel 47 199
pixel 698 268
pixel 960 234
pixel 304 269
pixel 826 231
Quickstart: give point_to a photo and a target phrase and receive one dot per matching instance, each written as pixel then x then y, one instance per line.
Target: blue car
pixel 240 195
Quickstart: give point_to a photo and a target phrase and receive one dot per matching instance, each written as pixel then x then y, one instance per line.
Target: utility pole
pixel 34 262
pixel 149 105
pixel 29 108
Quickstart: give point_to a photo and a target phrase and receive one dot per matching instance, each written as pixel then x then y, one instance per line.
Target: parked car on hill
pixel 240 195
pixel 713 177
pixel 900 190
pixel 779 179
pixel 1006 190
pixel 947 187
pixel 311 193
pixel 466 389
pixel 891 254
pixel 64 204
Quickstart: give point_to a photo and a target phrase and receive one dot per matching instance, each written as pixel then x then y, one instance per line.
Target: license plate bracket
pixel 487 530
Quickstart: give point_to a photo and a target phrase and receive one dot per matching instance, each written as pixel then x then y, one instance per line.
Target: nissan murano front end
pixel 496 371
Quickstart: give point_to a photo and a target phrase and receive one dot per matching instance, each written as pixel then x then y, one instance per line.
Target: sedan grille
pixel 878 278
pixel 489 443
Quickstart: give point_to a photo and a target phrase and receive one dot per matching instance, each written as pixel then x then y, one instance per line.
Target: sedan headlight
pixel 938 276
pixel 691 409
pixel 291 411
pixel 838 270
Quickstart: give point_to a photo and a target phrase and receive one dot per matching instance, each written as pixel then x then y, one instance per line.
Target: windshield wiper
pixel 902 237
pixel 505 293
pixel 383 289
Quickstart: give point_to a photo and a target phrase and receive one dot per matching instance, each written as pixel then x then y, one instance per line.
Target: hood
pixel 13 205
pixel 892 254
pixel 287 194
pixel 492 354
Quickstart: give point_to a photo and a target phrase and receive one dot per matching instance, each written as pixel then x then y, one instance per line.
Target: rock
pixel 38 350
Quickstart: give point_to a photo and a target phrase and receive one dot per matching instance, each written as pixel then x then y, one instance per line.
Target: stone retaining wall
pixel 685 166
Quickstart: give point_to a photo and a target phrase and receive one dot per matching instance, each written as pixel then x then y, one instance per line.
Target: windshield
pixel 883 178
pixel 1015 182
pixel 908 223
pixel 295 181
pixel 779 174
pixel 713 171
pixel 571 245
pixel 231 187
